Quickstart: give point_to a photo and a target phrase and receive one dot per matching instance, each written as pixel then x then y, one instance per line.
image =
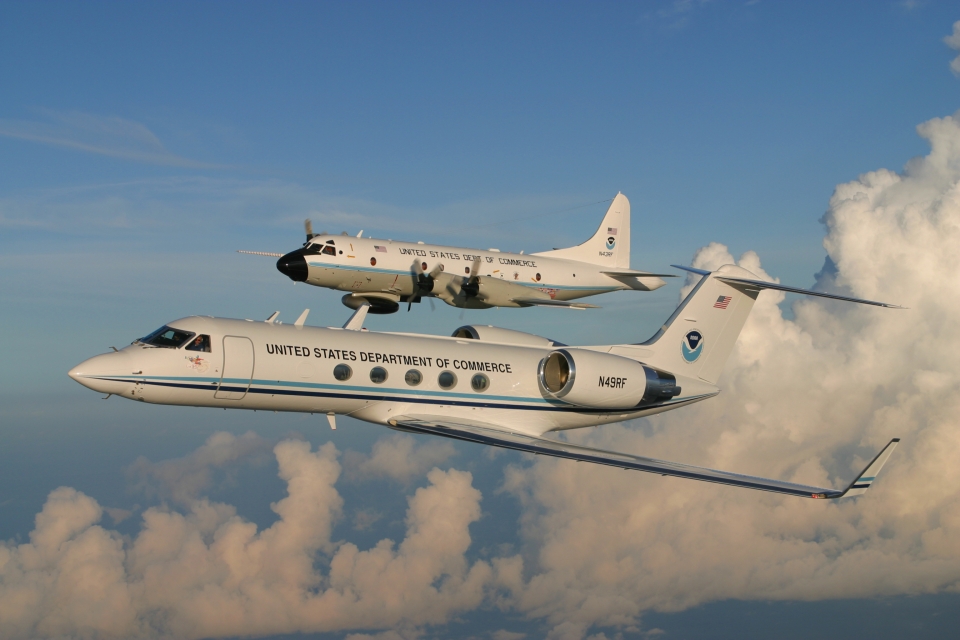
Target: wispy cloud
pixel 103 135
pixel 161 205
pixel 953 41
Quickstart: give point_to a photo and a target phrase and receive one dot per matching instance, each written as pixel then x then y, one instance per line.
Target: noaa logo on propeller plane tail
pixel 611 242
pixel 692 346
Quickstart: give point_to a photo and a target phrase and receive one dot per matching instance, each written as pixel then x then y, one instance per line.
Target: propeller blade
pixel 308 227
pixel 475 270
pixel 471 285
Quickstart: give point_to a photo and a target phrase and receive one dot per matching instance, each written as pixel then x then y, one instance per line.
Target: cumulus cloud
pixel 210 573
pixel 398 457
pixel 183 479
pixel 809 400
pixel 953 41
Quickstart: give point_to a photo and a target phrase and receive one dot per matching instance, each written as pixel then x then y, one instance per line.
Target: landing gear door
pixel 237 368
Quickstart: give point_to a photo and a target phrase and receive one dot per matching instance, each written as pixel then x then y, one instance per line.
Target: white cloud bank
pixel 808 399
pixel 210 573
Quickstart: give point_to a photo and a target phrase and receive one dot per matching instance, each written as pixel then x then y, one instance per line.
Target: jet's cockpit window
pixel 311 247
pixel 168 337
pixel 200 343
pixel 329 250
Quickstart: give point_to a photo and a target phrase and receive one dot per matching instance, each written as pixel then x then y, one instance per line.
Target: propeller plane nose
pixel 293 265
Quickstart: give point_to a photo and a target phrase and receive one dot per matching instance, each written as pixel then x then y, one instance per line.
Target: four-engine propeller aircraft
pixel 483 384
pixel 384 273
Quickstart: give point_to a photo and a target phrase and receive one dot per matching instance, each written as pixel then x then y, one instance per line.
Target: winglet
pixel 865 479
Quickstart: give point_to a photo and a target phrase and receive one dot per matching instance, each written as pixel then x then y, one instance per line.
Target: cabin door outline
pixel 238 365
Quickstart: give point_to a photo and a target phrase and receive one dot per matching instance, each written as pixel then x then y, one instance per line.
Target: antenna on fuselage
pixel 272 318
pixel 302 318
pixel 355 323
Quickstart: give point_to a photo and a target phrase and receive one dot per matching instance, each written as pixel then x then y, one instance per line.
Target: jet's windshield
pixel 167 337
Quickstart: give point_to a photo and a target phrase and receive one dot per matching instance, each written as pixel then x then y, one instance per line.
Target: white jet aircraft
pixel 483 384
pixel 384 273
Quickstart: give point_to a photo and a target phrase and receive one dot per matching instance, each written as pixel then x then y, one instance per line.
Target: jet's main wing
pixel 488 434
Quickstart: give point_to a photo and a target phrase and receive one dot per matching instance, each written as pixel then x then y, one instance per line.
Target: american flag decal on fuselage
pixel 722 302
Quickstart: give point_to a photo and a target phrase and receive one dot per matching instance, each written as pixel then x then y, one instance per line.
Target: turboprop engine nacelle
pixel 603 381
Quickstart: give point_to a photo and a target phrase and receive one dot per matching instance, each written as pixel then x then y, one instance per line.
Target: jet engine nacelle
pixel 506 336
pixel 603 381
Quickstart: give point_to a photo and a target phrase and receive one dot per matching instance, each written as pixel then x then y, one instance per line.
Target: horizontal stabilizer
pixel 546 302
pixel 762 284
pixel 488 434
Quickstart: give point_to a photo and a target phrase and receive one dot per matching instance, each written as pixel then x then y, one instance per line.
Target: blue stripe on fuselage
pixel 212 384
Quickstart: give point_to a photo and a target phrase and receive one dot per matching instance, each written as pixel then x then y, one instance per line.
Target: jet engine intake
pixel 603 381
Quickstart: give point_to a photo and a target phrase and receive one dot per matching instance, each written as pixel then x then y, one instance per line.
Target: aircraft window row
pixel 447 379
pixel 167 338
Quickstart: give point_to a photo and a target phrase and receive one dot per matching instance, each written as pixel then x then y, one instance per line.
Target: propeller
pixel 423 282
pixel 308 227
pixel 471 285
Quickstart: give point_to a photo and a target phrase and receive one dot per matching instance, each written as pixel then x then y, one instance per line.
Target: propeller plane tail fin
pixel 609 246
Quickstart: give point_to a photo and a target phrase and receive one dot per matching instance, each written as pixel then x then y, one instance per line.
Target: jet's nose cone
pixel 294 266
pixel 94 372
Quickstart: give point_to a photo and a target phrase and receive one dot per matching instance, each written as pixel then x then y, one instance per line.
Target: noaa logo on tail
pixel 611 242
pixel 692 346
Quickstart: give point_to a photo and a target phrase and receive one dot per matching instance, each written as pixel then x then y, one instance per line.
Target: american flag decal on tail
pixel 722 302
pixel 611 231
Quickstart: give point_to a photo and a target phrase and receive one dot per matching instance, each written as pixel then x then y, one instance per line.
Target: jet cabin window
pixel 200 343
pixel 168 338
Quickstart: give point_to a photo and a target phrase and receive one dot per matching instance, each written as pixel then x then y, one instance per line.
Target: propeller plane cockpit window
pixel 167 338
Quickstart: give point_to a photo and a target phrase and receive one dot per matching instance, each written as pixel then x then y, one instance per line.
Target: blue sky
pixel 141 145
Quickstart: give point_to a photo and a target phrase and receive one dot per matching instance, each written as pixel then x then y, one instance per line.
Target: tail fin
pixel 610 245
pixel 698 338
